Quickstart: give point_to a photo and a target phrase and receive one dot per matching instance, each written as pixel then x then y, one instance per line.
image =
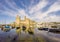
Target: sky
pixel 37 10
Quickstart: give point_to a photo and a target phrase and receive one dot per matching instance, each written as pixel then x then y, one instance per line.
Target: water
pixel 12 35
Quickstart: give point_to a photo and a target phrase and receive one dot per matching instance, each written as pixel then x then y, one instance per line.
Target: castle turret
pixel 17 20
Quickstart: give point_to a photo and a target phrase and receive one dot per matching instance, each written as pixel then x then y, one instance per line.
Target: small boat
pixel 54 30
pixel 46 29
pixel 6 28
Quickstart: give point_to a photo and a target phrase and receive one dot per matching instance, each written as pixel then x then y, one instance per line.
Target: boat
pixel 6 28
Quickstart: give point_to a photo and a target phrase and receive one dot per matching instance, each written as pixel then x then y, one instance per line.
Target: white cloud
pixel 54 7
pixel 22 13
pixel 39 15
pixel 52 18
pixel 35 11
pixel 37 7
pixel 12 4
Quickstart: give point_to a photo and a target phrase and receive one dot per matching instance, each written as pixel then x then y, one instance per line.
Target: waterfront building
pixel 48 25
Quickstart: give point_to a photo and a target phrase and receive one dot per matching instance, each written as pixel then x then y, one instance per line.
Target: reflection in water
pixel 18 30
pixel 30 32
pixel 17 27
pixel 7 36
pixel 23 28
pixel 7 30
pixel 15 35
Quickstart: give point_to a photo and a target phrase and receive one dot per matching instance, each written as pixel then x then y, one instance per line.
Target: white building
pixel 48 25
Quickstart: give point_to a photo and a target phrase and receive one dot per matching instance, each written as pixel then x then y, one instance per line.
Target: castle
pixel 26 23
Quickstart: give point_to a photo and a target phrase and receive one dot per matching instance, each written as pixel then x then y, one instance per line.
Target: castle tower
pixel 17 21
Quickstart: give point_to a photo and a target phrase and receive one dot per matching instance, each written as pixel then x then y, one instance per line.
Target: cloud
pixel 52 18
pixel 38 6
pixel 12 4
pixel 33 11
pixel 22 13
pixel 50 3
pixel 40 16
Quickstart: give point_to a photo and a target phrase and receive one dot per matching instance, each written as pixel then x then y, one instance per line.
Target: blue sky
pixel 37 10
